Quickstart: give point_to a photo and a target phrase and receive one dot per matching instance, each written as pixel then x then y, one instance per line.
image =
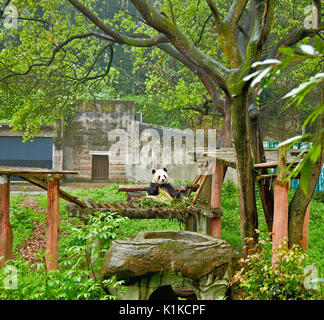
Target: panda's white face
pixel 160 176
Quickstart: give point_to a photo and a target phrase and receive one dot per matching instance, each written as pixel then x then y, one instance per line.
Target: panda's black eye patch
pixel 159 177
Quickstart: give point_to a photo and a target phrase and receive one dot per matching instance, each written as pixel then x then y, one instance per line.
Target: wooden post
pixel 5 228
pixel 215 199
pixel 304 240
pixel 204 195
pixel 52 221
pixel 280 215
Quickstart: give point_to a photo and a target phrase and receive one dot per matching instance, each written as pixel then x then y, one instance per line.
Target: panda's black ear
pixel 165 169
pixel 153 171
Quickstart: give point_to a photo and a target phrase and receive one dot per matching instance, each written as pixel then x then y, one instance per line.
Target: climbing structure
pixel 47 179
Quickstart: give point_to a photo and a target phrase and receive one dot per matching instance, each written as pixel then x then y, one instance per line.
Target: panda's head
pixel 160 176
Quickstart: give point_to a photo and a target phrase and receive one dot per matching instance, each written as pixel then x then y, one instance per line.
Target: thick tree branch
pixel 229 30
pixel 218 101
pixel 217 17
pixel 262 22
pixel 115 35
pixel 168 33
pixel 293 38
pixel 245 30
pixel 235 13
pixel 159 22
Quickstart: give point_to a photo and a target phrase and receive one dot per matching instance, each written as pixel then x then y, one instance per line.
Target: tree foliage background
pixel 191 55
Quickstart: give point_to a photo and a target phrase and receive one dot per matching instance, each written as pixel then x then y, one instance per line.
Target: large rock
pixel 177 258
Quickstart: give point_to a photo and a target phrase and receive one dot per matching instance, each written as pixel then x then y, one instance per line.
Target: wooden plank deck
pixel 34 172
pixel 226 157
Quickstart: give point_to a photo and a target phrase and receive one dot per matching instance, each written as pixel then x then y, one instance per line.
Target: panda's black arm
pixel 172 192
pixel 154 189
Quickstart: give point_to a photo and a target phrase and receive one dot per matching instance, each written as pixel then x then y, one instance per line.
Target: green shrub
pixel 260 280
pixel 78 275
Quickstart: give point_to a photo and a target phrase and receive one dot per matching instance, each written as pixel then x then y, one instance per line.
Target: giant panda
pixel 160 179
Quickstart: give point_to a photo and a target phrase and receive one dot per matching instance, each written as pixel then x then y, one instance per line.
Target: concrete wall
pixel 134 148
pixel 152 146
pixel 93 131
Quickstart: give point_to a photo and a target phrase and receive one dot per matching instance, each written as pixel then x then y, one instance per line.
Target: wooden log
pixel 274 164
pixel 280 215
pixel 216 186
pixel 117 206
pixel 52 224
pixel 110 206
pixel 304 240
pixel 195 181
pixel 134 188
pixel 5 228
pixel 215 227
pixel 137 188
pixel 138 213
pixel 64 195
pixel 101 205
pixel 123 205
pixel 134 195
pixel 267 176
pixel 203 181
pixel 215 199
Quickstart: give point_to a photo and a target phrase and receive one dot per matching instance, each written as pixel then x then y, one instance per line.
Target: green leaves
pixel 287 51
pixel 36 88
pixel 260 280
pixel 76 279
pixel 295 97
pixel 305 175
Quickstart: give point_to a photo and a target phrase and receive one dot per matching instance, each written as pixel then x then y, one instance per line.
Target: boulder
pixel 177 258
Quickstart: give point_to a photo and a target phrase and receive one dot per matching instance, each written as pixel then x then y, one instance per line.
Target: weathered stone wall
pixel 109 128
pixel 93 131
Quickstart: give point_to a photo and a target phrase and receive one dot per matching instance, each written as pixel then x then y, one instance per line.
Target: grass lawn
pixel 22 218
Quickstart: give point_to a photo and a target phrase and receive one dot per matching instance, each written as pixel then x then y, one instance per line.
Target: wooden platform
pixel 226 157
pixel 34 172
pixel 47 179
pixel 132 211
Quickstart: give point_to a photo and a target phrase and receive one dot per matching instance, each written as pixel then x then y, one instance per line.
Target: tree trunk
pixel 300 201
pixel 224 137
pixel 265 186
pixel 241 142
